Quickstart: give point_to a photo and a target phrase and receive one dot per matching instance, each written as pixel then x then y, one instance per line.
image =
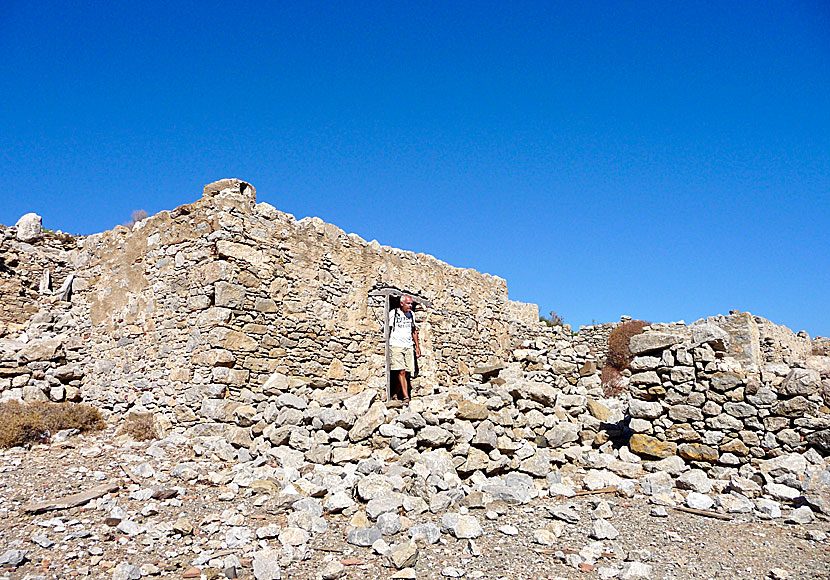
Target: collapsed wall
pixel 229 319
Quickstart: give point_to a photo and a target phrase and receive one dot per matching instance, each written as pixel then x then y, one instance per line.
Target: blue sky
pixel 658 159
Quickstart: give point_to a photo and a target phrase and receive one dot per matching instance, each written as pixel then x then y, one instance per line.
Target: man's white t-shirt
pixel 400 328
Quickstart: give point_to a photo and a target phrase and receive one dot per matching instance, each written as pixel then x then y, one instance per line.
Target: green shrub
pixel 26 423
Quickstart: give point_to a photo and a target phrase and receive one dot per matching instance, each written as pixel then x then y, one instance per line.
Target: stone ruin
pixel 256 334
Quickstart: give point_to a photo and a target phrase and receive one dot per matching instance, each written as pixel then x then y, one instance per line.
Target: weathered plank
pixel 704 513
pixel 71 501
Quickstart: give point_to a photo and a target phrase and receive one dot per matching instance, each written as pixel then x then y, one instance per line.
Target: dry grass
pixel 26 423
pixel 619 355
pixel 139 427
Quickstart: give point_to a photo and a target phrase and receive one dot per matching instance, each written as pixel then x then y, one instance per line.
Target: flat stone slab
pixel 491 370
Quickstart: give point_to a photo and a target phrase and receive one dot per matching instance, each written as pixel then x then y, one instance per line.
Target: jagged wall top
pixel 230 187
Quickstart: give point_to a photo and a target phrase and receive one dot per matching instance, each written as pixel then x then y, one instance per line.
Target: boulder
pixel 367 422
pixel 711 334
pixel 29 228
pixel 539 392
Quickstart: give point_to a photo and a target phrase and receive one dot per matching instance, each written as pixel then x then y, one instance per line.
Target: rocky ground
pixel 179 510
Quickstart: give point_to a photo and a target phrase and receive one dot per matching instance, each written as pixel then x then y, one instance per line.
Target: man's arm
pixel 415 340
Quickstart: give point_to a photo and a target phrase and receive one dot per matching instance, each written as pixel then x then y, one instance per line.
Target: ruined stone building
pixel 205 314
pixel 217 295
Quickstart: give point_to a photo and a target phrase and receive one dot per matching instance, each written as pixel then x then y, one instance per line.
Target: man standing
pixel 403 347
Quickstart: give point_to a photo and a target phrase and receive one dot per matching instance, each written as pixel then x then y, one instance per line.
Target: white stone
pixel 29 228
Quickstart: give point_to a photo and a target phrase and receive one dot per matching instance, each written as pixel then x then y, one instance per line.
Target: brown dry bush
pixel 619 355
pixel 821 348
pixel 139 427
pixel 26 423
pixel 612 381
pixel 136 217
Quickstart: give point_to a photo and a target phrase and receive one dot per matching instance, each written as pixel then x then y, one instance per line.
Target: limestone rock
pixel 434 436
pixel 359 404
pixel 695 480
pixel 635 571
pixel 367 422
pixel 598 410
pixel 485 436
pixel 539 392
pixel 699 501
pixel 711 334
pixel 802 515
pixel 652 341
pixel 404 555
pixel 363 536
pixel 801 382
pixel 603 530
pixel 562 433
pixel 332 570
pixel 697 452
pixel 428 532
pixel 266 565
pixel 650 446
pixel 461 526
pixel 29 228
pixel 471 411
pixel 645 409
pixel 13 558
pixel 126 571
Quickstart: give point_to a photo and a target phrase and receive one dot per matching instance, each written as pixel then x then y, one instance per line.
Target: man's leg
pixel 397 363
pixel 403 383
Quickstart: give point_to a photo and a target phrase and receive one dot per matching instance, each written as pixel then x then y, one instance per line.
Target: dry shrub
pixel 139 427
pixel 26 423
pixel 136 217
pixel 553 320
pixel 821 347
pixel 612 381
pixel 619 355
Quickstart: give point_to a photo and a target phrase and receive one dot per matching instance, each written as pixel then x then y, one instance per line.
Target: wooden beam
pixel 386 292
pixel 70 501
pixel 704 513
pixel 386 343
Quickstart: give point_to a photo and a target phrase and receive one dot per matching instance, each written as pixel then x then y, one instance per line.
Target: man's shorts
pixel 401 358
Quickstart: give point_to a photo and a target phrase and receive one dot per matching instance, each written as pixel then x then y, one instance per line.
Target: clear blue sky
pixel 665 160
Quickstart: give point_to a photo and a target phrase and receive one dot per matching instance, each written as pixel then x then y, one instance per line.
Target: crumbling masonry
pixel 213 315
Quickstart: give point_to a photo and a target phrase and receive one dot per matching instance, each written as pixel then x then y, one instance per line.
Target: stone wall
pixel 30 271
pixel 706 392
pixel 718 392
pixel 212 298
pixel 207 314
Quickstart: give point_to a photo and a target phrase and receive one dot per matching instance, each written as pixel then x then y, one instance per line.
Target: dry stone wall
pixel 30 271
pixel 227 318
pixel 252 339
pixel 707 393
pixel 212 298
